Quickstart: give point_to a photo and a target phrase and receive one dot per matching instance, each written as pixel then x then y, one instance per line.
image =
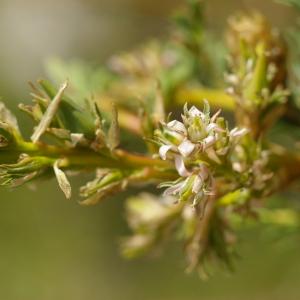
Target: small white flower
pixel 198 138
pixel 194 188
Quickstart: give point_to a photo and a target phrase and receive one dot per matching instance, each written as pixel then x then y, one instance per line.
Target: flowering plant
pixel 166 96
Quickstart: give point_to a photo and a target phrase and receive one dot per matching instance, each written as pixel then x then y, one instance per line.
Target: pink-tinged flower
pixel 198 136
pixel 193 188
pixel 194 144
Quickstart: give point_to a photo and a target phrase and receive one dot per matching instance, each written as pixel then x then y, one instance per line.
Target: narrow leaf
pixel 62 180
pixel 7 117
pixel 49 114
pixel 114 130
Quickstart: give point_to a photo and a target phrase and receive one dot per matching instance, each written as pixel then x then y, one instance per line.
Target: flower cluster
pixel 257 79
pixel 251 165
pixel 195 187
pixel 194 144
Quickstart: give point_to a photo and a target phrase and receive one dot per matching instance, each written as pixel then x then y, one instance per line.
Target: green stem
pixel 216 98
pixel 84 157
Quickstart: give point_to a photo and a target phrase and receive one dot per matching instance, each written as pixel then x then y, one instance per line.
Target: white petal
pixel 233 131
pixel 179 137
pixel 173 190
pixel 209 141
pixel 163 150
pixel 197 185
pixel 211 126
pixel 215 127
pixel 219 129
pixel 186 148
pixel 176 126
pixel 238 132
pixel 180 167
pixel 195 112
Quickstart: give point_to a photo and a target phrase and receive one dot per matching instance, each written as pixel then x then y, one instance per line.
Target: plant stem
pixel 198 245
pixel 84 157
pixel 217 98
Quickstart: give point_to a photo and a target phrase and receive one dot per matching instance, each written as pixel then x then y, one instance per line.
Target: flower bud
pixel 246 32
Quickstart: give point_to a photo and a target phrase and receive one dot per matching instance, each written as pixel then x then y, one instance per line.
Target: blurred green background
pixel 55 249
